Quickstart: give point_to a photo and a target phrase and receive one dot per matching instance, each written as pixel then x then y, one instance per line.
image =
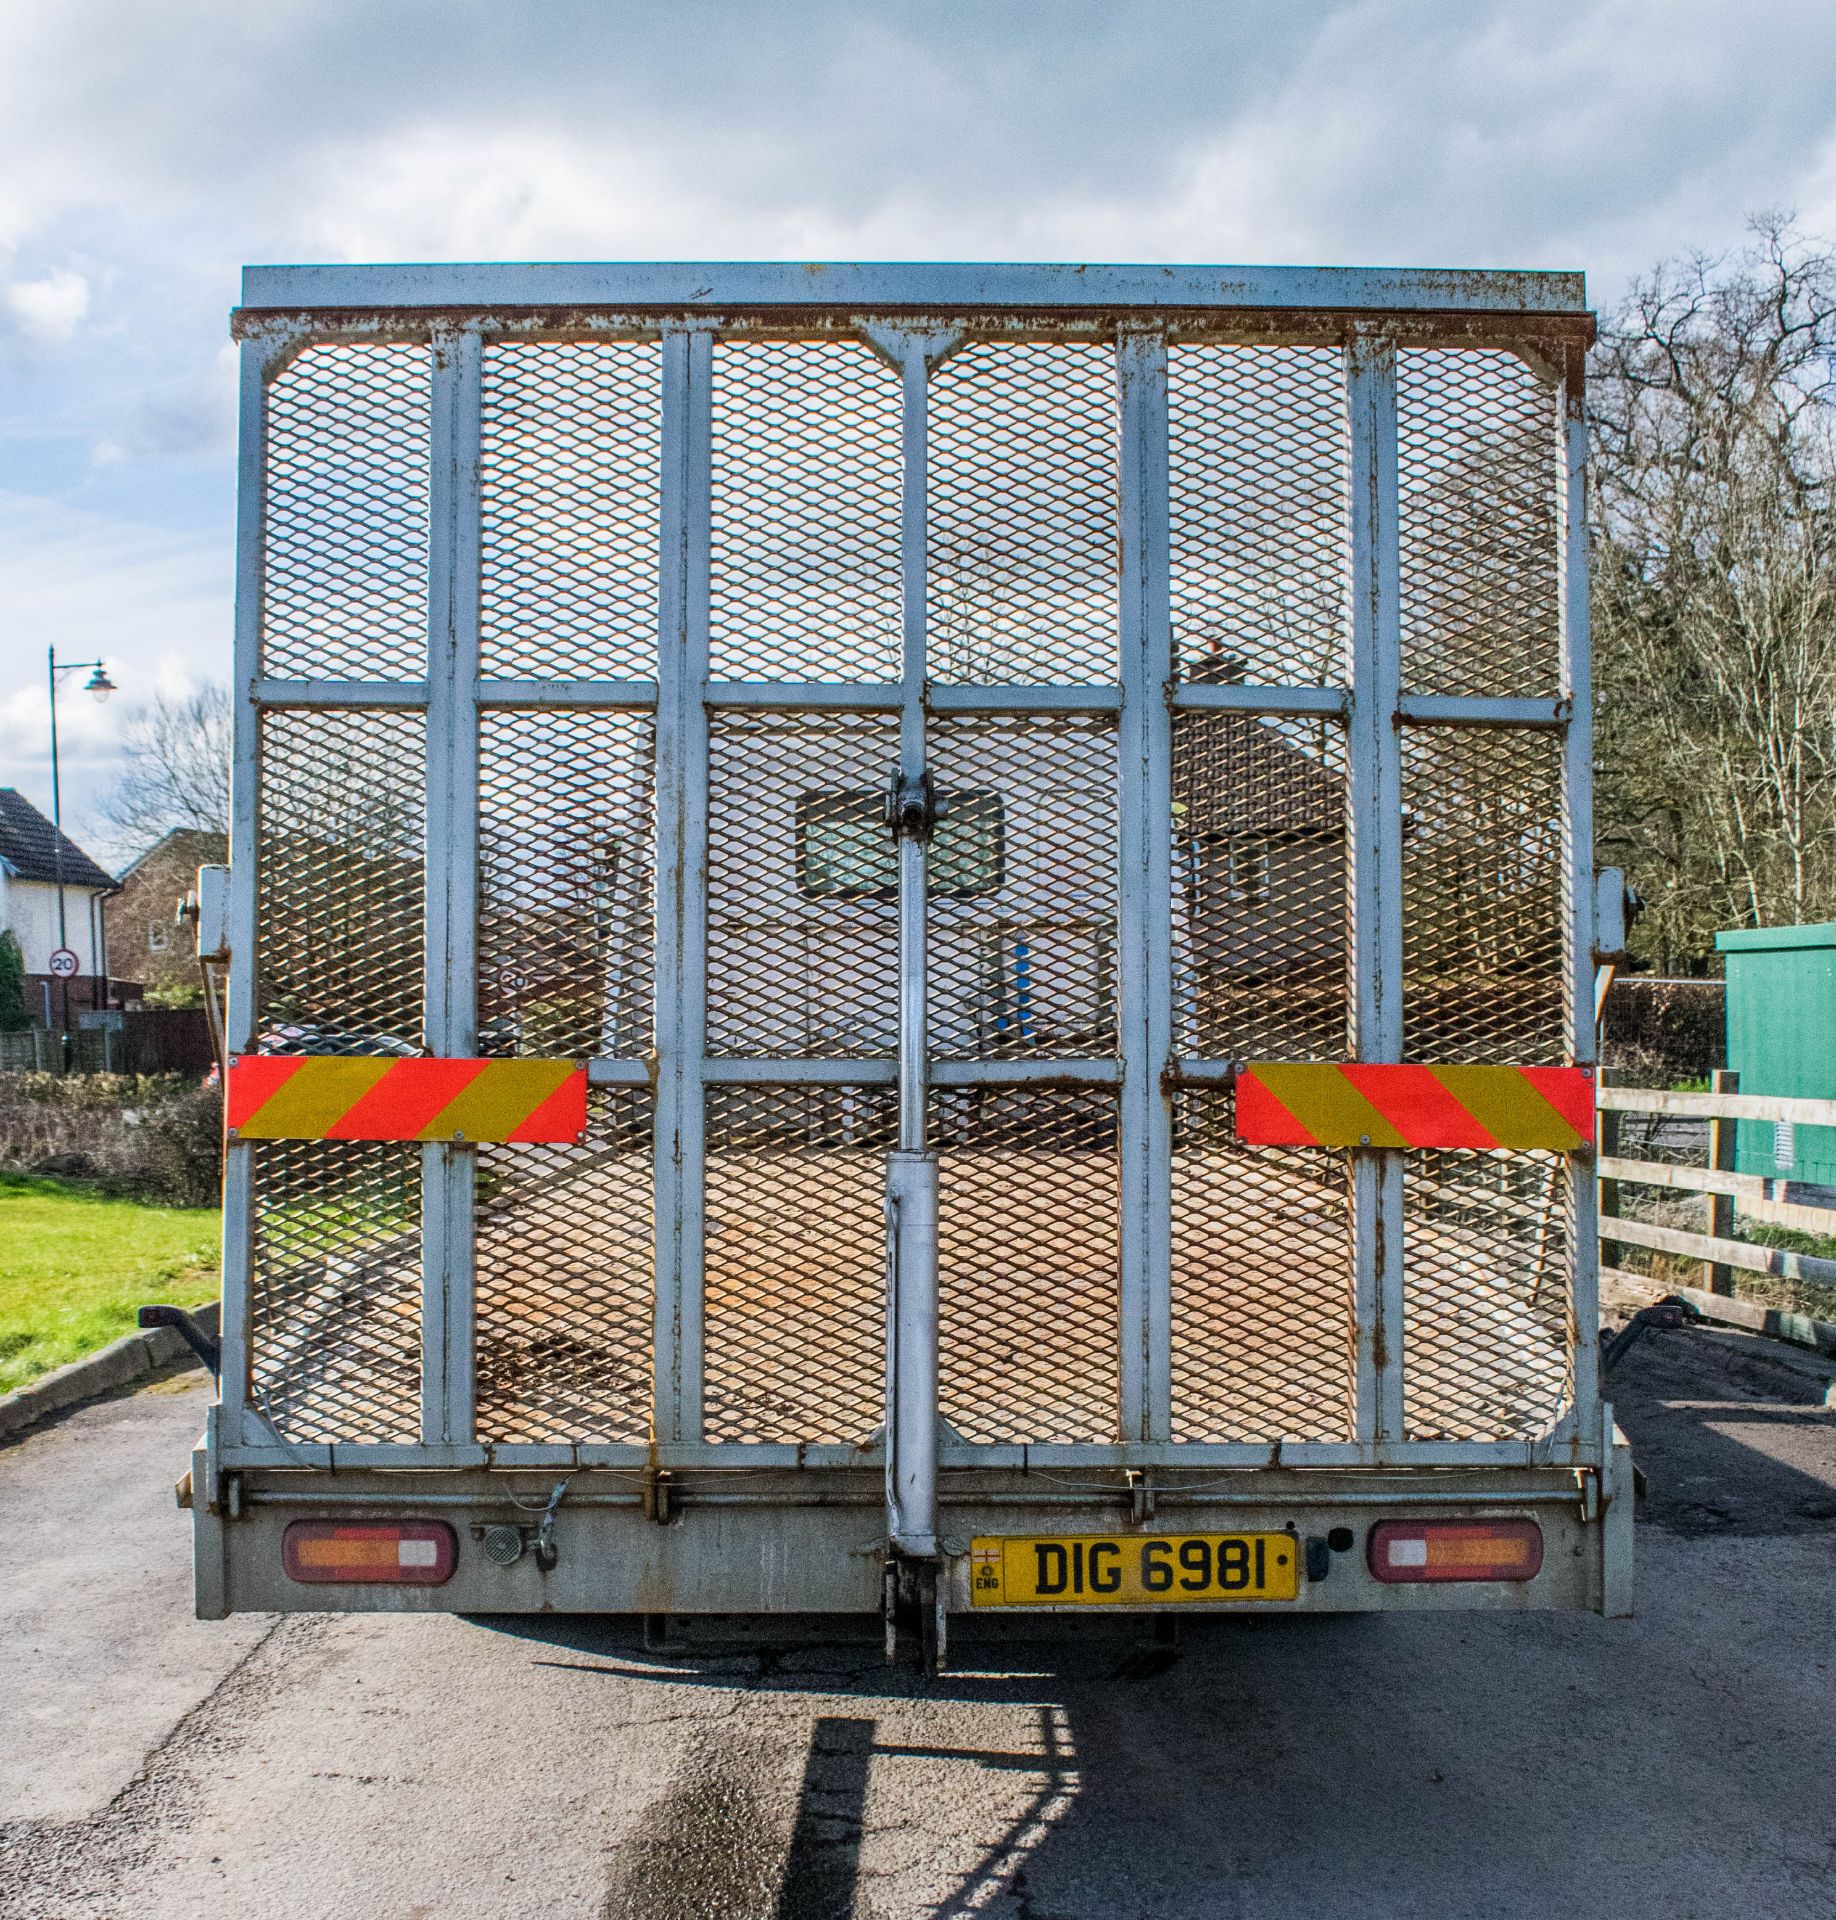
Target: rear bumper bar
pixel 765 1542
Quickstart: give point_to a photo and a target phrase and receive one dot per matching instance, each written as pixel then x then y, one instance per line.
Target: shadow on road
pixel 1419 1765
pixel 1732 1437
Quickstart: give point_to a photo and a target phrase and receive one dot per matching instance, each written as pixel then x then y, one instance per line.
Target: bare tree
pixel 1714 505
pixel 177 774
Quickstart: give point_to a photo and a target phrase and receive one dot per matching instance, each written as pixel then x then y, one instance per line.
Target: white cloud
pixel 96 584
pixel 1815 200
pixel 155 606
pixel 1397 131
pixel 469 193
pixel 50 308
pixel 194 413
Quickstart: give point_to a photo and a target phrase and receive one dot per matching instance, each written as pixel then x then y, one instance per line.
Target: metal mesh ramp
pixel 584 647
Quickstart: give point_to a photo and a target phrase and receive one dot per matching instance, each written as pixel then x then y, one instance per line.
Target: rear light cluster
pixel 1405 1551
pixel 396 1553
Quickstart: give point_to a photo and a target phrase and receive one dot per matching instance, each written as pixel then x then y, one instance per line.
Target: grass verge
pixel 74 1266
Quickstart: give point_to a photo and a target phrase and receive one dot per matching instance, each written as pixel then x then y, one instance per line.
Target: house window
pixel 1231 869
pixel 159 936
pixel 844 851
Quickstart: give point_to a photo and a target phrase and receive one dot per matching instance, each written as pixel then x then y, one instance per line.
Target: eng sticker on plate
pixel 1132 1570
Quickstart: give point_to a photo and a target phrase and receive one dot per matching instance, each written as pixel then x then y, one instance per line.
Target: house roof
pixel 1234 774
pixel 29 842
pixel 190 846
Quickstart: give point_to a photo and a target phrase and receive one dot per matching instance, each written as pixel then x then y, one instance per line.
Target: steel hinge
pixel 1587 1484
pixel 659 1495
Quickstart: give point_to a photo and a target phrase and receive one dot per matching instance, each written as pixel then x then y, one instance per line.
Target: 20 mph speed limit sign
pixel 64 964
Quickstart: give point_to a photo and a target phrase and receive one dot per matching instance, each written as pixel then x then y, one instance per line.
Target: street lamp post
pixel 101 686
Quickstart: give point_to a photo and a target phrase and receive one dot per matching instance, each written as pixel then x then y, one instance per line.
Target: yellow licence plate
pixel 1132 1569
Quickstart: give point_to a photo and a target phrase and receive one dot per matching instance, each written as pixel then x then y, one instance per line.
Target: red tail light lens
pixel 1403 1551
pixel 396 1553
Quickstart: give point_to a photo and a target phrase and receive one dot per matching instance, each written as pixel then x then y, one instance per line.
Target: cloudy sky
pixel 148 148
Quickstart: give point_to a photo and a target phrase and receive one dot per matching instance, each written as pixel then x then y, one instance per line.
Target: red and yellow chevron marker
pixel 1342 1104
pixel 333 1097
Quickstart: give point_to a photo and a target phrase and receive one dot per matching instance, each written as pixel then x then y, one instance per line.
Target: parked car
pixel 310 1037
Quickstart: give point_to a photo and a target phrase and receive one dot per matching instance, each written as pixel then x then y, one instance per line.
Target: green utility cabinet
pixel 1782 1040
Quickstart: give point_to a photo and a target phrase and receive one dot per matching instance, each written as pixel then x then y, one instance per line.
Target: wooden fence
pixel 142 1040
pixel 33 1050
pixel 1724 1192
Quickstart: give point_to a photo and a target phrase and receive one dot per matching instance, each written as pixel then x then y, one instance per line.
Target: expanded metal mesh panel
pixel 795 1270
pixel 335 1290
pixel 802 894
pixel 1483 948
pixel 339 889
pixel 568 502
pixel 1264 1321
pixel 1259 505
pixel 804 580
pixel 1022 896
pixel 564 1282
pixel 344 514
pixel 1478 465
pixel 1488 1245
pixel 1022 561
pixel 565 859
pixel 1261 905
pixel 1028 1253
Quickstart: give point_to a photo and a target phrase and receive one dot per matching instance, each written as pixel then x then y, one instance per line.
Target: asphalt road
pixel 1680 1764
